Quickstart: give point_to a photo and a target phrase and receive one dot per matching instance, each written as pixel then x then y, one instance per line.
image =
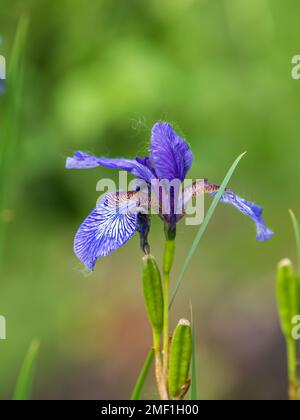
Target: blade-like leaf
pixel 204 225
pixel 25 380
pixel 194 388
pixel 296 227
pixel 12 100
pixel 142 377
pixel 209 214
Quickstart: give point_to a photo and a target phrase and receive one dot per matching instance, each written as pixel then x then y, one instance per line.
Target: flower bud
pixel 153 293
pixel 180 359
pixel 288 295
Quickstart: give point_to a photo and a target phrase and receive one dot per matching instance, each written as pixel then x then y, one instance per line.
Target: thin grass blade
pixel 204 225
pixel 296 227
pixel 25 380
pixel 12 100
pixel 142 377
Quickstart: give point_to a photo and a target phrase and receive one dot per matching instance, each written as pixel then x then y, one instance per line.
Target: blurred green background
pixel 97 75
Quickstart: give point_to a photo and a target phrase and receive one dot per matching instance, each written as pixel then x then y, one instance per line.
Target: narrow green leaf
pixel 12 100
pixel 199 235
pixel 194 388
pixel 296 227
pixel 204 225
pixel 25 380
pixel 142 377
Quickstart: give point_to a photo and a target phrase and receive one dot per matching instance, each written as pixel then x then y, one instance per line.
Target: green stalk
pixel 167 266
pixel 292 368
pixel 161 384
pixel 166 325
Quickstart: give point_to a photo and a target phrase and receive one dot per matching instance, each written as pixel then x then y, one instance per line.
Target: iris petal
pixel 251 210
pixel 246 207
pixel 170 154
pixel 82 160
pixel 109 226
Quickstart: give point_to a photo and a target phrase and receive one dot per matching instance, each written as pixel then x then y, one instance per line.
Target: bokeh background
pixel 97 75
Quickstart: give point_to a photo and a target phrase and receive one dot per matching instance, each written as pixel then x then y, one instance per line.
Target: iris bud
pixel 288 295
pixel 153 293
pixel 180 359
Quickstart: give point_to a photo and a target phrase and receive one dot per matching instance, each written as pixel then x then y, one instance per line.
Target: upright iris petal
pixel 170 154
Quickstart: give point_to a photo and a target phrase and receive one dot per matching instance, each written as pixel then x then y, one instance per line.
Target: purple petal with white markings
pixel 109 226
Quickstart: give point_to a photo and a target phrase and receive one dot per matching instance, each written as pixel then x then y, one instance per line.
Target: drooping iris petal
pixel 82 160
pixel 109 226
pixel 170 154
pixel 251 210
pixel 246 207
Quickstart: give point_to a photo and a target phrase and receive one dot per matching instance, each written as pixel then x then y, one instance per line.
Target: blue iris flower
pixel 108 227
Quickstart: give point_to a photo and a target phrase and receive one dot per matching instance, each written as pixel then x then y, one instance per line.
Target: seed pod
pixel 180 359
pixel 153 293
pixel 288 291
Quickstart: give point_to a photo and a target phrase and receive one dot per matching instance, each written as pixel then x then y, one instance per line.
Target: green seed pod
pixel 287 295
pixel 180 359
pixel 153 293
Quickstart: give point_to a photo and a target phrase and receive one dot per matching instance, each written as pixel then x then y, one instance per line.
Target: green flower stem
pixel 292 368
pixel 161 385
pixel 166 326
pixel 167 266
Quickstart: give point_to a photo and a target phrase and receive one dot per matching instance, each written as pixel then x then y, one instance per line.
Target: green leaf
pixel 194 390
pixel 296 227
pixel 25 380
pixel 199 235
pixel 142 377
pixel 204 225
pixel 12 100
